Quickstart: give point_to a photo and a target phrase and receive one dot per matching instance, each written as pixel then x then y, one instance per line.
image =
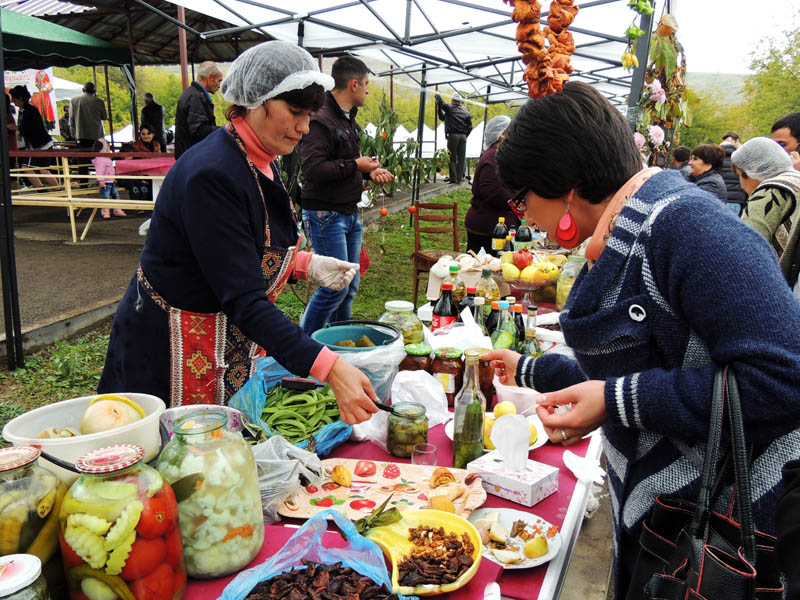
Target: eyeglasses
pixel 518 203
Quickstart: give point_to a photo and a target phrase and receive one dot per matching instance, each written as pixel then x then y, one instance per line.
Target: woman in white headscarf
pixel 221 246
pixel 489 196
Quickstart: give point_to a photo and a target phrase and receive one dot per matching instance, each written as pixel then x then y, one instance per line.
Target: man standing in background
pixel 333 175
pixel 153 115
pixel 737 197
pixel 64 126
pixel 86 116
pixel 457 126
pixel 194 117
pixel 786 131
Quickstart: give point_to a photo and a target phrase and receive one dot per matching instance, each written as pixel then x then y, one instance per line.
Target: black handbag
pixel 688 550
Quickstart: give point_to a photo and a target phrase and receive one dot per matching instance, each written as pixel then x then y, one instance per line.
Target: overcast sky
pixel 719 35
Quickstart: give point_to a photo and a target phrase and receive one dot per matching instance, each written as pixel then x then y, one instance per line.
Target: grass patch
pixel 71 368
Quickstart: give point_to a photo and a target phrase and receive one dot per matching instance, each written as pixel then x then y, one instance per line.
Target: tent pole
pixel 134 107
pixel 435 132
pixel 420 124
pixel 7 258
pixel 182 46
pixel 391 88
pixel 486 114
pixel 108 102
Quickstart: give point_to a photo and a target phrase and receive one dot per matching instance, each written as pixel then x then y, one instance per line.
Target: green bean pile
pixel 297 415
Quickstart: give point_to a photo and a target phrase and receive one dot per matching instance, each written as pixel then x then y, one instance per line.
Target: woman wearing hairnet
pixel 489 196
pixel 222 244
pixel 773 205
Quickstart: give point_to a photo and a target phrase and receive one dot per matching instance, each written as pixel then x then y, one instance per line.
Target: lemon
pixel 534 433
pixel 504 408
pixel 536 547
pixel 488 422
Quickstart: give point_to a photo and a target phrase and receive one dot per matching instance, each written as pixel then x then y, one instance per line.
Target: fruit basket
pixel 536 274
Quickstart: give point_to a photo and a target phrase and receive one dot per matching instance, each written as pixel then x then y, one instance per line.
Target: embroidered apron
pixel 210 358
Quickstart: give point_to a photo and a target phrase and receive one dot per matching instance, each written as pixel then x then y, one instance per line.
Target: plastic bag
pixel 253 396
pixel 361 555
pixel 408 386
pixel 280 465
pixel 379 364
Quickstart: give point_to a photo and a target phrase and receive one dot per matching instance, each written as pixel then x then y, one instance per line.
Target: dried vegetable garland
pixel 545 51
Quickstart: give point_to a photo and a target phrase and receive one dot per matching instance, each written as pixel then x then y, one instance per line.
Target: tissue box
pixel 527 487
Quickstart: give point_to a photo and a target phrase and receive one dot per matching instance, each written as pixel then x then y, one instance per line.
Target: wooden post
pixel 435 131
pixel 391 88
pixel 108 102
pixel 134 107
pixel 182 46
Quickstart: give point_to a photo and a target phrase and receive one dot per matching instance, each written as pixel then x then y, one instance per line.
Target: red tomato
pixel 156 586
pixel 174 548
pixel 180 583
pixel 157 518
pixel 384 212
pixel 145 556
pixel 68 555
pixel 412 209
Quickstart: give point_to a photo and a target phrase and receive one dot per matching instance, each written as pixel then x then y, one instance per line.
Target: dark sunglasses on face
pixel 518 203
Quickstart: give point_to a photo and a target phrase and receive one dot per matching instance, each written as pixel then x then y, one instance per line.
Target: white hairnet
pixel 456 98
pixel 269 69
pixel 761 158
pixel 494 129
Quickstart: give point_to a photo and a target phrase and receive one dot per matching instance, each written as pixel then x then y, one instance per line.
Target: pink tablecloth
pixel 144 166
pixel 521 584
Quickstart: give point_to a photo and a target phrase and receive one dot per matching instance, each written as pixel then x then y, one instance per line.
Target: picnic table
pixel 565 508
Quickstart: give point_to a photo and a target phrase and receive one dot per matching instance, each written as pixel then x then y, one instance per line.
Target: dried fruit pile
pixel 438 557
pixel 320 582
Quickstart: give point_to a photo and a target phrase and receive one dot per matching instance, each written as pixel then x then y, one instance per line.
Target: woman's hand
pixel 504 363
pixel 588 411
pixel 353 391
pixel 331 272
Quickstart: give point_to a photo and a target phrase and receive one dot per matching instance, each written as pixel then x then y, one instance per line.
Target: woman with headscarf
pixel 674 288
pixel 222 244
pixel 773 204
pixel 489 196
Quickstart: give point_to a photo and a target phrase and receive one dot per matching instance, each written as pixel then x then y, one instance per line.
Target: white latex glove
pixel 331 272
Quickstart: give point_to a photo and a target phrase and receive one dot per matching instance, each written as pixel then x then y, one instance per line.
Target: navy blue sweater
pixel 203 254
pixel 682 287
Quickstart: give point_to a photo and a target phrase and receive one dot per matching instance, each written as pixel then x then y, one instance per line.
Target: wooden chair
pixel 426 212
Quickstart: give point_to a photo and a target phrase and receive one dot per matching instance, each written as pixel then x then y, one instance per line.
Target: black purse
pixel 688 550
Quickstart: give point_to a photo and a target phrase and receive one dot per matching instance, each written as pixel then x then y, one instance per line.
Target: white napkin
pixel 510 435
pixel 585 469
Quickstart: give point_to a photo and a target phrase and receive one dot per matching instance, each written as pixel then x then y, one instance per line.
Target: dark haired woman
pixel 33 132
pixel 147 141
pixel 705 165
pixel 672 290
pixel 221 246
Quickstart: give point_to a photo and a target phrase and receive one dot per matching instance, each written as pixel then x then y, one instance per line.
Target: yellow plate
pixel 393 540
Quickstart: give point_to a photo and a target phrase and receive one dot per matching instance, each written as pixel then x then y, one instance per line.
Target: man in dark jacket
pixel 153 115
pixel 194 117
pixel 457 126
pixel 786 131
pixel 737 197
pixel 333 175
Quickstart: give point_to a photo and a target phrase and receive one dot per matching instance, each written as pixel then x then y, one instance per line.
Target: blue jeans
pixel 109 190
pixel 337 235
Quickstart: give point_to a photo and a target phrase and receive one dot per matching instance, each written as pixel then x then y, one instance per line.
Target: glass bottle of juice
pixel 487 287
pixel 531 347
pixel 459 289
pixel 470 407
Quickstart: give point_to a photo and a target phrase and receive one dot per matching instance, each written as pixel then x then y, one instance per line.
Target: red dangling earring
pixel 567 232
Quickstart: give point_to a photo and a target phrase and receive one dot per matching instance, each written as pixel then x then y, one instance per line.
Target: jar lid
pixel 471 289
pixel 480 351
pixel 472 355
pixel 418 349
pixel 447 285
pixel 18 571
pixel 495 305
pixel 17 456
pixel 398 305
pixel 110 459
pixel 486 272
pixel 408 410
pixel 502 304
pixel 447 352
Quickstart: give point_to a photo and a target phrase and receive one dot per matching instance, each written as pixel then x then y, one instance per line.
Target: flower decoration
pixel 640 141
pixel 656 135
pixel 657 93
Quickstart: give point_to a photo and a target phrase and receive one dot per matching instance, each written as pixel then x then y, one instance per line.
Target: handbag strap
pixel 726 388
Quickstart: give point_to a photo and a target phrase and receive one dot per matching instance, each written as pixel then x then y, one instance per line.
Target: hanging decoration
pixel 633 33
pixel 545 51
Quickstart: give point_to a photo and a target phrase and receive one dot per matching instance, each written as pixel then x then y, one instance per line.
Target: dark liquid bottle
pixel 499 236
pixel 467 301
pixel 520 323
pixel 509 245
pixel 445 312
pixel 492 319
pixel 524 236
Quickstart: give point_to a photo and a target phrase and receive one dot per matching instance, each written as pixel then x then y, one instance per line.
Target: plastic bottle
pixel 504 337
pixel 524 236
pixel 493 318
pixel 499 236
pixel 459 288
pixel 470 408
pixel 519 321
pixel 445 312
pixel 509 245
pixel 467 301
pixel 530 346
pixel 487 287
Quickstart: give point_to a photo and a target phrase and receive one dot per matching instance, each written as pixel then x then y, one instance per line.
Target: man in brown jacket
pixel 86 116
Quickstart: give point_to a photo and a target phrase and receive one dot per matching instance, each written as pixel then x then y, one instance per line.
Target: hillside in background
pixel 727 88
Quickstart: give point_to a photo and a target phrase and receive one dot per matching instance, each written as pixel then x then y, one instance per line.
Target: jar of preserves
pixel 408 426
pixel 21 578
pixel 418 358
pixel 566 279
pixel 485 374
pixel 119 529
pixel 30 500
pixel 400 313
pixel 213 472
pixel 448 369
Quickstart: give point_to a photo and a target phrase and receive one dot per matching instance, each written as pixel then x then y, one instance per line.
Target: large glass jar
pixel 21 578
pixel 213 472
pixel 448 369
pixel 408 426
pixel 418 358
pixel 566 279
pixel 30 500
pixel 401 314
pixel 119 529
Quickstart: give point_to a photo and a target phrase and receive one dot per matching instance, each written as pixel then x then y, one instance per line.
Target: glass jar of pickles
pixel 408 426
pixel 566 279
pixel 400 313
pixel 418 358
pixel 213 473
pixel 30 500
pixel 448 369
pixel 119 529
